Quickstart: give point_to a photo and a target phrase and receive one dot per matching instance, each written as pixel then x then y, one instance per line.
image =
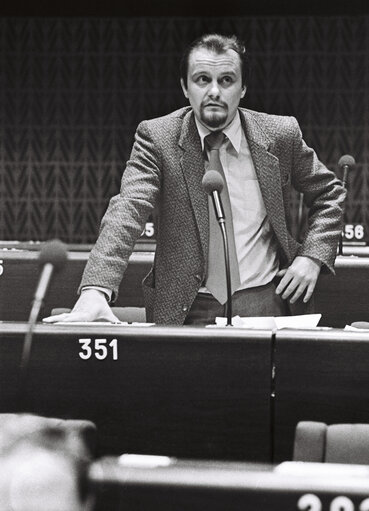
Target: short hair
pixel 58 440
pixel 219 44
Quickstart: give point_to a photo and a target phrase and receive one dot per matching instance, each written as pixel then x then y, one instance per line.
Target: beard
pixel 214 118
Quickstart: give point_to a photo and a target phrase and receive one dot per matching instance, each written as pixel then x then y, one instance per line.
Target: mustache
pixel 216 103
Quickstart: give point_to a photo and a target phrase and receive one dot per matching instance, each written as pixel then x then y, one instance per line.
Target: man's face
pixel 214 86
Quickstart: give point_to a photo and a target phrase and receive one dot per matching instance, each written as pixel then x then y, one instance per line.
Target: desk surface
pixel 197 486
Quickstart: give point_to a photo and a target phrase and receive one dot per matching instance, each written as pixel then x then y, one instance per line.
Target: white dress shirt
pixel 256 246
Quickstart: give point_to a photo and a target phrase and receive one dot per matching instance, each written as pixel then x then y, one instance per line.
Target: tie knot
pixel 215 139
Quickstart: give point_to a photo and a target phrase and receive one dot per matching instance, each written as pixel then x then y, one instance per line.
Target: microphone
pixel 213 184
pixel 346 163
pixel 52 258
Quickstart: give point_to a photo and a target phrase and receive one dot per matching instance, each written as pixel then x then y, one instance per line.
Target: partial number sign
pixel 354 232
pixel 311 502
pixel 149 231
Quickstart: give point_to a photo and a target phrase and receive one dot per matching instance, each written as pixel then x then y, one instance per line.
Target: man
pixel 260 156
pixel 43 467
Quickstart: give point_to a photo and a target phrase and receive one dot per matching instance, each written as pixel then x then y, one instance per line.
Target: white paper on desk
pixel 99 323
pixel 350 328
pixel 272 323
pixel 87 323
pixel 145 460
pixel 314 469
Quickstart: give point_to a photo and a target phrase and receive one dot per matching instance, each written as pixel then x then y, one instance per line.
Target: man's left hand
pixel 301 276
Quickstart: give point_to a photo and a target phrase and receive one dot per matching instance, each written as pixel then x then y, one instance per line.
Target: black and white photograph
pixel 184 256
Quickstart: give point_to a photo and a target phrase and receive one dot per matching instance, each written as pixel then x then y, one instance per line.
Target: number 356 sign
pixel 354 232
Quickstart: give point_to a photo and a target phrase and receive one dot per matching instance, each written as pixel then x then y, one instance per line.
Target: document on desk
pixel 302 321
pixel 319 470
pixel 350 328
pixel 99 323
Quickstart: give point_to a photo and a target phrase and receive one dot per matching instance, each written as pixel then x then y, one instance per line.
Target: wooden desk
pixel 319 376
pixel 223 486
pixel 186 392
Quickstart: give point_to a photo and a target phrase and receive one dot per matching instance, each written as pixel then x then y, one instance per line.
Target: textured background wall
pixel 73 90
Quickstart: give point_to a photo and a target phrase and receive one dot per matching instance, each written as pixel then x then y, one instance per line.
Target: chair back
pixel 335 443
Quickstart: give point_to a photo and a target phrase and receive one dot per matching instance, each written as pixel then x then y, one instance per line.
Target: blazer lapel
pixel 192 164
pixel 268 173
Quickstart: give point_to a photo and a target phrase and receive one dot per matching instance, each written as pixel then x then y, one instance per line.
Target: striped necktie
pixel 216 275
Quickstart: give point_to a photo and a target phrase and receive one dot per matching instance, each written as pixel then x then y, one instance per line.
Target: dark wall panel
pixel 72 91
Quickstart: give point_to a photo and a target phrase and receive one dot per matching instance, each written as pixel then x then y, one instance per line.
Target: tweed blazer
pixel 165 171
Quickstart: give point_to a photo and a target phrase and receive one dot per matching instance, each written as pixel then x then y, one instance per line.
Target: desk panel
pixel 19 272
pixel 320 376
pixel 344 298
pixel 186 392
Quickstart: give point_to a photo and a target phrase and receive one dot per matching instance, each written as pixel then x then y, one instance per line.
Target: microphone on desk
pixel 51 259
pixel 213 184
pixel 345 163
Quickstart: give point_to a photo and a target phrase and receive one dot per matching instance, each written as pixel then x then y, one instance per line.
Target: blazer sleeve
pixel 324 196
pixel 126 214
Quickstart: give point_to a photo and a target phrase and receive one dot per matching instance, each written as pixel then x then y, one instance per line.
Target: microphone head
pixel 212 182
pixel 53 252
pixel 346 159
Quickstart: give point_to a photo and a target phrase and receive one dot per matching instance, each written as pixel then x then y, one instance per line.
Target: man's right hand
pixel 90 306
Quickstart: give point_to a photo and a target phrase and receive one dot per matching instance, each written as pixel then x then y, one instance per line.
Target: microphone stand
pixel 27 343
pixel 344 183
pixel 222 225
pixel 52 256
pixel 26 354
pixel 299 217
pixel 24 365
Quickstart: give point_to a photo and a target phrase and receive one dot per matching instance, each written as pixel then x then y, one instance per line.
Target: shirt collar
pixel 233 132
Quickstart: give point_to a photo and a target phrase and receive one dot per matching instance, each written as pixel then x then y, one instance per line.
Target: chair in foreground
pixel 335 443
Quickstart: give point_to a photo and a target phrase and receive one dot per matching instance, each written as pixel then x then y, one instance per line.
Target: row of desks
pixel 342 299
pixel 187 485
pixel 202 393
